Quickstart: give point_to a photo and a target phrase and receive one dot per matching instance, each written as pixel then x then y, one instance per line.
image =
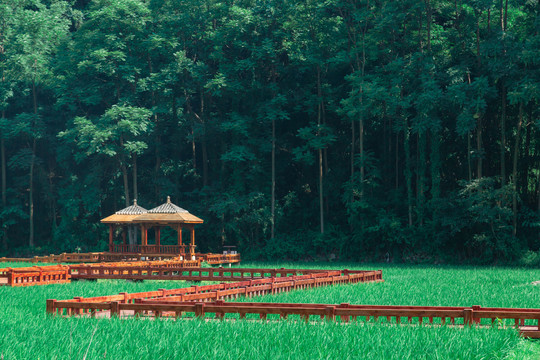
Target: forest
pixel 364 130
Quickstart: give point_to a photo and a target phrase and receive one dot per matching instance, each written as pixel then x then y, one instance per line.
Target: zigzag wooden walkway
pixel 248 288
pixel 207 302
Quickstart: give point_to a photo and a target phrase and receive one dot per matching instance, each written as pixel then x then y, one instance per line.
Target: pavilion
pixel 167 214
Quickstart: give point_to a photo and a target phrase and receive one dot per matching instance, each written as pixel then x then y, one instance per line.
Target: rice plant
pixel 27 333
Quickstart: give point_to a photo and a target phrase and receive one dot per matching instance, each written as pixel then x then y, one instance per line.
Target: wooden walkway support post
pixel 115 309
pixel 467 317
pixel 50 306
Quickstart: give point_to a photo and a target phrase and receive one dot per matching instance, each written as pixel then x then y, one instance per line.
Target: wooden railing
pixel 122 252
pixel 222 291
pixel 37 275
pixel 214 259
pixel 62 258
pixel 140 270
pixel 190 270
pixel 526 320
pixel 147 249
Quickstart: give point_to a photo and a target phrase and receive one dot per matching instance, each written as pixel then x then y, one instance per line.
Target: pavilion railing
pixel 147 249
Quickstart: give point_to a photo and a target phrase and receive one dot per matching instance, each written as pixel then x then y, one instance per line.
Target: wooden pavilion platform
pixel 134 218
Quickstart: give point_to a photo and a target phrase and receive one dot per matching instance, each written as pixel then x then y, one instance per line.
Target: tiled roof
pixel 132 210
pixel 167 208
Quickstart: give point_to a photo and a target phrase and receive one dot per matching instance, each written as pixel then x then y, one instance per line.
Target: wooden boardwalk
pixel 99 257
pixel 170 270
pixel 208 302
pixel 527 321
pixel 223 291
pixel 35 275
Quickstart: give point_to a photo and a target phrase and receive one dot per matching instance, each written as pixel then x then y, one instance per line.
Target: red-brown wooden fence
pixel 247 288
pixel 36 275
pixel 526 320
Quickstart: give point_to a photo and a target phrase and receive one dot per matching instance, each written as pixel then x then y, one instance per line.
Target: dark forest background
pixel 361 129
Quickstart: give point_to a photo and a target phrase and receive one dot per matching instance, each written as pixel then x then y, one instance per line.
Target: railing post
pixel 115 309
pixel 51 308
pixel 10 276
pixel 344 318
pixel 125 294
pixel 467 317
pixel 476 308
pixel 199 310
pixel 330 313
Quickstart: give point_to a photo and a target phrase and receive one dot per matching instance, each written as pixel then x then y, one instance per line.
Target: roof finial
pixel 168 199
pixel 135 202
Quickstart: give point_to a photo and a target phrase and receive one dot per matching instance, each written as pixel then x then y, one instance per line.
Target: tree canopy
pixel 366 129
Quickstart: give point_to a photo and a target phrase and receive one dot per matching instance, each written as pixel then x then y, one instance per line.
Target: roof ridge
pixel 167 208
pixel 132 210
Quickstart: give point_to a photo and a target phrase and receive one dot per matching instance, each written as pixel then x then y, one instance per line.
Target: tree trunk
pixel 408 173
pixel 420 199
pixel 321 191
pixel 123 168
pixel 203 142
pixel 157 133
pixel 505 15
pixel 135 189
pixel 501 14
pixel 205 160
pixel 3 156
pixel 273 221
pixel 503 135
pixel 527 157
pixel 31 196
pixel 397 161
pixel 538 191
pixel 194 149
pixel 479 147
pixel 478 60
pixel 352 156
pixel 52 198
pixel 4 183
pixel 469 162
pixel 31 176
pixel 429 11
pixel 126 184
pixel 321 173
pixel 361 121
pixel 361 146
pixel 514 168
pixel 435 165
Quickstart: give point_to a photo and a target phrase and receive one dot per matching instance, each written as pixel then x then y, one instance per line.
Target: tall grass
pixel 434 286
pixel 27 333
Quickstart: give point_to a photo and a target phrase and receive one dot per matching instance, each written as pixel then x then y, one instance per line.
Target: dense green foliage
pixel 364 129
pixel 61 338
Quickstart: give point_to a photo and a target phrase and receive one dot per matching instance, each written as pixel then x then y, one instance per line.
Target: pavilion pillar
pixel 158 237
pixel 192 244
pixel 179 231
pixel 144 236
pixel 111 230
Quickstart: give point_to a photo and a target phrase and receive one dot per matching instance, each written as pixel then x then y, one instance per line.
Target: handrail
pixel 526 320
pixel 247 287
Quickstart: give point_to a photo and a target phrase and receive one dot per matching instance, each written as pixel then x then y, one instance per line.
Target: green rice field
pixel 27 333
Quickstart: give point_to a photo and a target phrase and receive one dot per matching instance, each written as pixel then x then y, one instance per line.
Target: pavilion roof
pixel 167 208
pixel 125 215
pixel 168 213
pixel 134 209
